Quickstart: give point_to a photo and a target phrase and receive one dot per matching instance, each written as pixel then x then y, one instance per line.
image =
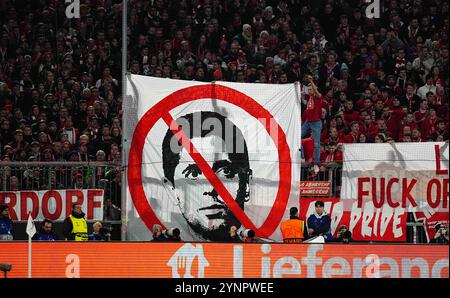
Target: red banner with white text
pixel 399 178
pixel 53 204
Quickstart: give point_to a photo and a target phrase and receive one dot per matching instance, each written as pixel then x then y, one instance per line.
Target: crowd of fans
pixel 383 79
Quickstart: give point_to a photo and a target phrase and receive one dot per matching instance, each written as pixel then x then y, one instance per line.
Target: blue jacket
pixel 42 236
pixel 6 226
pixel 321 224
pixel 96 237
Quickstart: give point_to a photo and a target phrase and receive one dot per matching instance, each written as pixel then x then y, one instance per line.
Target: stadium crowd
pixel 382 79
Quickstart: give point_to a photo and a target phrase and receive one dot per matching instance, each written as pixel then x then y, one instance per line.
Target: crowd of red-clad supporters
pixel 382 80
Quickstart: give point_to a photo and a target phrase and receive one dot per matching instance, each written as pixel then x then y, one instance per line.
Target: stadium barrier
pixel 41 176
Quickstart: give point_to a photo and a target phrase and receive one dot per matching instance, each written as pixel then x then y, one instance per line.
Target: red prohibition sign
pixel 218 92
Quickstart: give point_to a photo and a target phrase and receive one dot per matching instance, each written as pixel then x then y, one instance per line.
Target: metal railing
pixel 17 176
pixel 330 171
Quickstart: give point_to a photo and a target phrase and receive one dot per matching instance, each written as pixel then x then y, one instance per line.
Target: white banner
pixel 205 156
pixel 397 178
pixel 53 204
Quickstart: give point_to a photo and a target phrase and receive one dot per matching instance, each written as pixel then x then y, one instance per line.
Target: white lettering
pixel 436 271
pixel 366 230
pixel 358 265
pixel 386 216
pixel 397 224
pixel 393 271
pixel 265 261
pixel 237 261
pixel 279 270
pixel 373 10
pixel 355 216
pixel 373 266
pixel 73 9
pixel 408 264
pixel 311 260
pixel 336 215
pixel 73 268
pixel 328 269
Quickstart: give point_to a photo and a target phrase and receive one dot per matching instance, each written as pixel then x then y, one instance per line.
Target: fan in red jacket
pixel 308 149
pixel 393 118
pixel 407 127
pixel 332 155
pixel 350 114
pixel 429 123
pixel 333 136
pixel 312 125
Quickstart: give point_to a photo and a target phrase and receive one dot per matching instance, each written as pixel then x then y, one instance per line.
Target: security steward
pixel 75 226
pixel 293 229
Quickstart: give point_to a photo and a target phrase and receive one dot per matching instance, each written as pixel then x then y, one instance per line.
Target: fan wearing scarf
pixel 319 222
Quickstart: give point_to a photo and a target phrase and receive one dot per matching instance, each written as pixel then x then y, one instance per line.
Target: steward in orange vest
pixel 293 229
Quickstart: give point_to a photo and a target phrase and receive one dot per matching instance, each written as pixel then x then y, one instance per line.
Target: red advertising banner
pixel 365 224
pixel 315 188
pixel 225 260
pixel 53 204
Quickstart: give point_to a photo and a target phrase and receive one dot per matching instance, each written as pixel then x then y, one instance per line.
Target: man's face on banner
pixel 199 203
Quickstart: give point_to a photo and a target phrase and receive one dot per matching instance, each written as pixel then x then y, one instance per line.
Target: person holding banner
pixel 75 226
pixel 6 227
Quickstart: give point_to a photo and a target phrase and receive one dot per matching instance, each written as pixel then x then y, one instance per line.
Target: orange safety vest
pixel 292 231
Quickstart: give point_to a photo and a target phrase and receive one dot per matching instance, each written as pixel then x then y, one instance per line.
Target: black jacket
pixel 234 239
pixel 439 240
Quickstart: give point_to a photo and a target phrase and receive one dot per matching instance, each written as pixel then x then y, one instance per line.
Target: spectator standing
pixel 313 119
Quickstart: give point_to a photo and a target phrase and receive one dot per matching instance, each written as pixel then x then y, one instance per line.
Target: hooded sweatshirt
pixel 321 225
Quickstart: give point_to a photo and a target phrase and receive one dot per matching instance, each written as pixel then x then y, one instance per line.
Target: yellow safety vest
pixel 79 228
